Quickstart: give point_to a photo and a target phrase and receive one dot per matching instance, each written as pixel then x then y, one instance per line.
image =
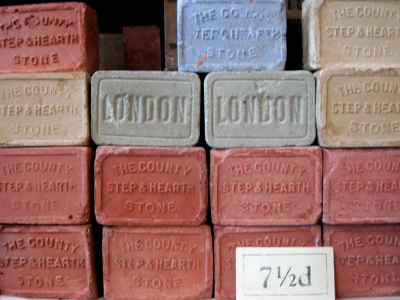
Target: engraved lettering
pixel 158 244
pixel 259 109
pixel 142 109
pixel 159 283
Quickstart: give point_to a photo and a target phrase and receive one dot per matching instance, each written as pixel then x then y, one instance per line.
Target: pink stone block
pixel 157 262
pixel 151 186
pixel 361 186
pixel 366 259
pixel 47 262
pixel 50 37
pixel 45 185
pixel 266 186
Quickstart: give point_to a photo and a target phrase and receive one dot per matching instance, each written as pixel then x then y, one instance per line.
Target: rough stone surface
pixel 231 35
pixel 44 109
pixel 142 47
pixel 350 33
pixel 46 185
pixel 47 262
pixel 361 186
pixel 158 262
pixel 49 37
pixel 228 238
pixel 366 259
pixel 259 109
pixel 151 186
pixel 145 108
pixel 111 52
pixel 358 108
pixel 268 186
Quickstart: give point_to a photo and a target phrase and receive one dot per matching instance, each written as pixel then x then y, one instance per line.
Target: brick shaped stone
pixel 44 109
pixel 170 36
pixel 158 262
pixel 151 186
pixel 145 108
pixel 47 262
pixel 350 33
pixel 266 186
pixel 366 259
pixel 358 108
pixel 231 35
pixel 142 47
pixel 259 109
pixel 49 37
pixel 361 186
pixel 46 185
pixel 111 52
pixel 228 238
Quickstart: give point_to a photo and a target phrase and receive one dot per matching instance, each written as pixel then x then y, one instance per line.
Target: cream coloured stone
pixel 44 109
pixel 358 107
pixel 259 109
pixel 145 108
pixel 350 33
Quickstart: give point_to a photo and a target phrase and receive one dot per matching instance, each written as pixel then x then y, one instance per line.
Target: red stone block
pixel 228 238
pixel 361 186
pixel 51 37
pixel 150 186
pixel 367 259
pixel 45 185
pixel 266 186
pixel 157 262
pixel 142 48
pixel 47 262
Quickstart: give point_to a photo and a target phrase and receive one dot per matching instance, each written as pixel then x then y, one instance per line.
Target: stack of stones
pixel 353 49
pixel 48 52
pixel 259 121
pixel 150 176
pixel 238 144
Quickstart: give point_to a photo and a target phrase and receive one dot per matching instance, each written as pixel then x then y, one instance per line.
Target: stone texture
pixel 366 259
pixel 142 47
pixel 49 37
pixel 44 109
pixel 151 186
pixel 267 186
pixel 46 185
pixel 231 35
pixel 259 109
pixel 361 186
pixel 145 108
pixel 47 262
pixel 158 262
pixel 170 36
pixel 228 238
pixel 358 108
pixel 111 52
pixel 350 33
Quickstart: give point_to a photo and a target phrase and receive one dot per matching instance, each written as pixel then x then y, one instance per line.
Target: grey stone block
pixel 259 109
pixel 235 35
pixel 145 108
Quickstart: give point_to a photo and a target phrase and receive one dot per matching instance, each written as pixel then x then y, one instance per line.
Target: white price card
pixel 285 273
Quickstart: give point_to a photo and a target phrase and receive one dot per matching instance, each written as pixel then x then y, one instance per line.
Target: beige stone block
pixel 358 107
pixel 44 109
pixel 350 33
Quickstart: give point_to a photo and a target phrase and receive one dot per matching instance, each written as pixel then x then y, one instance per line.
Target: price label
pixel 283 272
